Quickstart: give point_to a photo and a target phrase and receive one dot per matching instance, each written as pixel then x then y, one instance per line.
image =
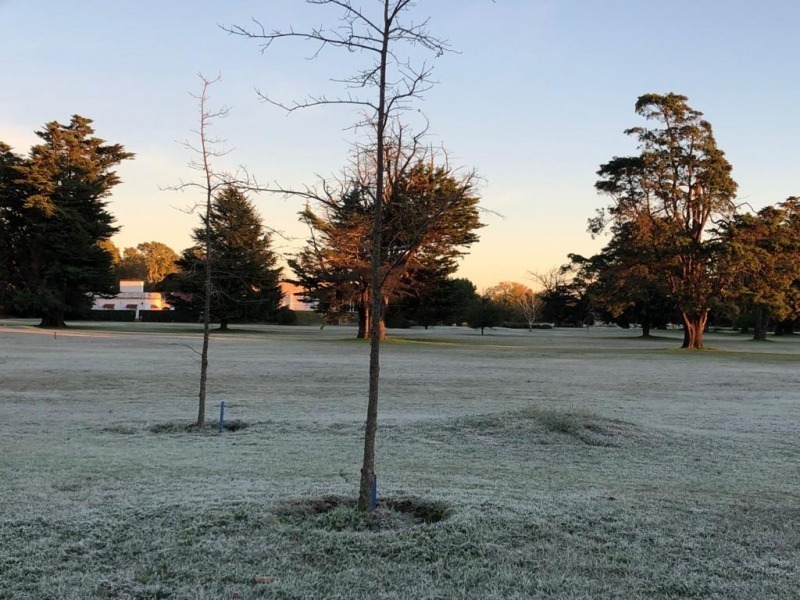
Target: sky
pixel 535 98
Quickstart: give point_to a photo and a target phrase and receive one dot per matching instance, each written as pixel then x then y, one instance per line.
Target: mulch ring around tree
pixel 338 513
pixel 208 427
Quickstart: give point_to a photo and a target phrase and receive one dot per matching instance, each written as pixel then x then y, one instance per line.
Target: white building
pixel 132 297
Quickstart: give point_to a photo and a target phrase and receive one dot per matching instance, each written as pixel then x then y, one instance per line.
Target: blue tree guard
pixel 373 497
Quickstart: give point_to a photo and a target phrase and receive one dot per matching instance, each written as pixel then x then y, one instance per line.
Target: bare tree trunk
pixel 365 321
pixel 205 156
pixel 382 319
pixel 201 397
pixel 693 328
pixel 368 463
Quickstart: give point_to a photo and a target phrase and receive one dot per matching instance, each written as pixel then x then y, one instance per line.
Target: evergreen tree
pixel 245 280
pixel 12 227
pixel 623 280
pixel 53 214
pixel 672 191
pixel 429 222
pixel 484 313
pixel 440 302
pixel 760 262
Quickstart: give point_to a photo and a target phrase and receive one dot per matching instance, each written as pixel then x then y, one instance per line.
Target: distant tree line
pixel 56 252
pixel 679 250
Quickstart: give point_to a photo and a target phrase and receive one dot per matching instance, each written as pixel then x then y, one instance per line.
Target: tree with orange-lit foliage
pixel 672 191
pixel 429 222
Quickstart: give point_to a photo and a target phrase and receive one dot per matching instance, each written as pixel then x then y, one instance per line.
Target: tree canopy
pixel 519 303
pixel 623 281
pixel 760 261
pixel 669 194
pixel 484 312
pixel 429 223
pixel 53 220
pixel 149 261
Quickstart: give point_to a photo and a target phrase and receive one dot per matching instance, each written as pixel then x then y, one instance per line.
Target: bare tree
pixel 206 149
pixel 382 91
pixel 529 304
pixel 562 300
pixel 517 300
pixel 550 280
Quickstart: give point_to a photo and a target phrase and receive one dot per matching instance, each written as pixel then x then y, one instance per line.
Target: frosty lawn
pixel 565 464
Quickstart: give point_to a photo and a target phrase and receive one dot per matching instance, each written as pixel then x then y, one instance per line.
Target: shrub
pixel 285 316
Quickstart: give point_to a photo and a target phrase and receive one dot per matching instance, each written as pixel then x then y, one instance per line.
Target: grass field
pixel 551 464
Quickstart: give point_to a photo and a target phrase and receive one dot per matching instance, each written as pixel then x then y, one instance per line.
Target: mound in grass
pixel 337 513
pixel 547 426
pixel 121 429
pixel 209 427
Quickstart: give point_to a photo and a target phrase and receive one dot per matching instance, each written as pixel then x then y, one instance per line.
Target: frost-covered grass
pixel 568 464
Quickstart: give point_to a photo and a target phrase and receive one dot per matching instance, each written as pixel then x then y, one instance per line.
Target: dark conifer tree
pixel 245 280
pixel 53 212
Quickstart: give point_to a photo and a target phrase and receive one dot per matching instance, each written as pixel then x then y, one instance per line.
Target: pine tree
pixel 429 223
pixel 11 225
pixel 245 280
pixel 672 191
pixel 53 211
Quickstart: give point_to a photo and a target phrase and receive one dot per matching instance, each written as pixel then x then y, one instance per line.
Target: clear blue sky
pixel 536 99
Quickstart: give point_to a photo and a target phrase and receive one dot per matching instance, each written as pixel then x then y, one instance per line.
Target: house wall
pixel 292 297
pixel 132 297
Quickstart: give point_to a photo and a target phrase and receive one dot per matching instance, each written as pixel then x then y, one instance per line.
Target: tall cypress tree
pixel 245 280
pixel 54 208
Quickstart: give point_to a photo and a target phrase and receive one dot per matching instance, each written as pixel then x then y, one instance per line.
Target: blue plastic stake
pixel 373 499
pixel 221 416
